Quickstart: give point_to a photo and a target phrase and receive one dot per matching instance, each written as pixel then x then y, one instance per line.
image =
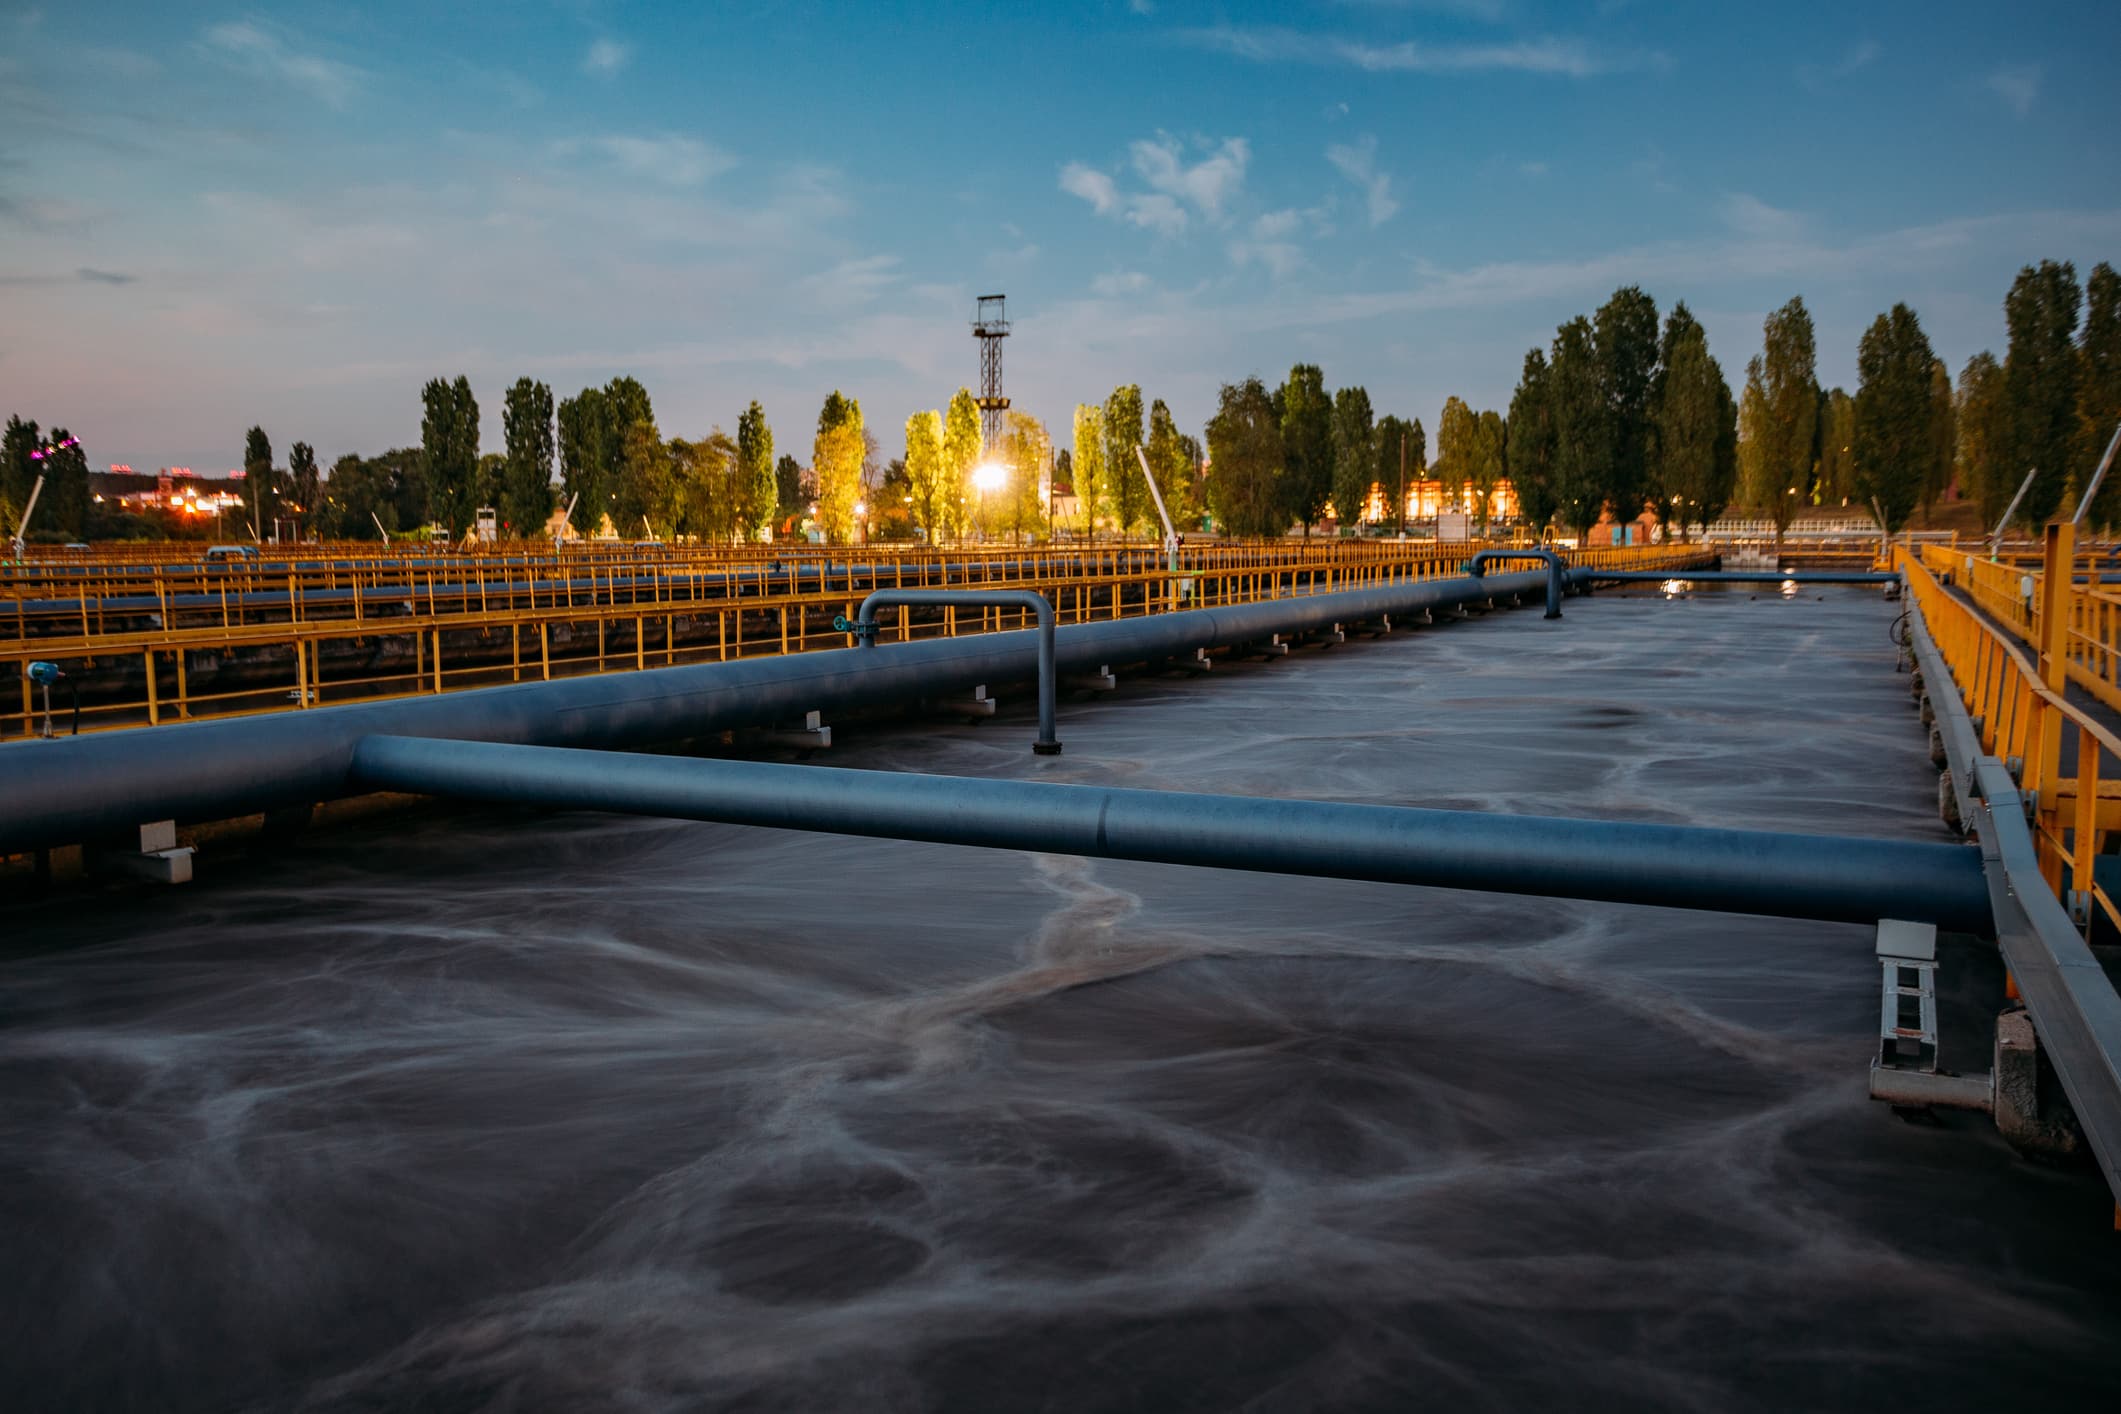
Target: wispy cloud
pixel 1178 190
pixel 1553 56
pixel 2017 85
pixel 104 277
pixel 665 157
pixel 1280 258
pixel 1358 163
pixel 605 58
pixel 1860 55
pixel 1119 282
pixel 1749 216
pixel 250 45
pixel 84 275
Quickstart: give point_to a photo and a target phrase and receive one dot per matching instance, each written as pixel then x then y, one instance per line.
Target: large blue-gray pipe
pixel 92 787
pixel 864 629
pixel 1556 569
pixel 1731 871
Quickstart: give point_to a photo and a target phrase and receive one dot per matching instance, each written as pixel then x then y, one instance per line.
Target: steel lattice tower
pixel 990 328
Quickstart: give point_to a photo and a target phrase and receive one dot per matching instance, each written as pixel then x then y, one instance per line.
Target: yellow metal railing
pixel 2016 700
pixel 2015 596
pixel 237 666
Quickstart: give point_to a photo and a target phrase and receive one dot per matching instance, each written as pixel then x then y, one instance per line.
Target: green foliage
pixel 1354 456
pixel 391 488
pixel 449 434
pixel 1489 434
pixel 1984 424
pixel 1454 446
pixel 926 479
pixel 1753 475
pixel 63 508
pixel 1123 471
pixel 646 502
pixel 961 454
pixel 788 487
pixel 1625 349
pixel 1687 420
pixel 18 471
pixel 1092 484
pixel 1790 388
pixel 1306 413
pixel 1895 419
pixel 1583 418
pixel 525 501
pixel 836 459
pixel 1837 449
pixel 257 479
pixel 583 475
pixel 1173 467
pixel 303 485
pixel 1396 452
pixel 1531 449
pixel 1248 455
pixel 2040 375
pixel 710 498
pixel 1944 435
pixel 2099 387
pixel 1018 510
pixel 757 490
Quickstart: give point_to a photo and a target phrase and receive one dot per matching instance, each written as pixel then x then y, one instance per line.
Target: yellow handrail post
pixel 2057 561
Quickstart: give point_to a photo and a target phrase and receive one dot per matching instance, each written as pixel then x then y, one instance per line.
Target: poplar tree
pixel 1944 436
pixel 526 481
pixel 66 485
pixel 257 477
pixel 1531 446
pixel 961 453
pixel 1306 413
pixel 449 434
pixel 1123 472
pixel 2040 374
pixel 1582 425
pixel 1790 411
pixel 1248 450
pixel 1984 426
pixel 2099 387
pixel 1354 457
pixel 1455 434
pixel 836 459
pixel 1488 438
pixel 1624 347
pixel 304 487
pixel 1837 467
pixel 18 471
pixel 1753 474
pixel 1895 418
pixel 1091 481
pixel 1174 470
pixel 582 420
pixel 1687 420
pixel 757 488
pixel 925 480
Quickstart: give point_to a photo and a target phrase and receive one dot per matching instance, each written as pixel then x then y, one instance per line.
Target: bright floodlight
pixel 989 476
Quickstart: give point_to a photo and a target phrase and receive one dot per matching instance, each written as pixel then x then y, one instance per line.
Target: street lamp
pixel 987 478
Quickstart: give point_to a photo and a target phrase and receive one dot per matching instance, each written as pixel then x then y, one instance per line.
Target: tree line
pixel 1619 416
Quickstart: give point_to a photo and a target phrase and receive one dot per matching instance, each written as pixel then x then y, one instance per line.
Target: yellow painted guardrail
pixel 2014 691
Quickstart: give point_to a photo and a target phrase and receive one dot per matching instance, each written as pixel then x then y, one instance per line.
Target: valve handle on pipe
pixel 858 627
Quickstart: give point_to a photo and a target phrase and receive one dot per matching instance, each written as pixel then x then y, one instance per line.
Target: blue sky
pixel 213 216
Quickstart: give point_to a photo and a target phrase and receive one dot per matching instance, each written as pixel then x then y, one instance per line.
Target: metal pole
pixel 1170 535
pixel 22 525
pixel 1995 542
pixel 2097 476
pixel 864 628
pixel 1672 866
